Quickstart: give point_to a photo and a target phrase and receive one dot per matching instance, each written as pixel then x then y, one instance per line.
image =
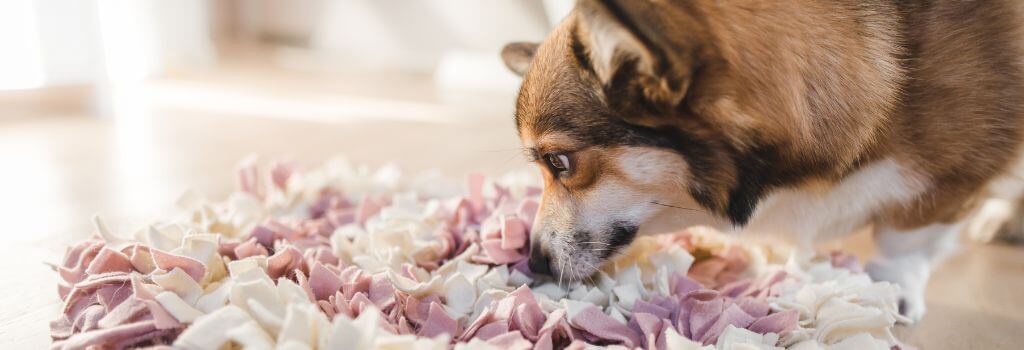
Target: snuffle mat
pixel 341 257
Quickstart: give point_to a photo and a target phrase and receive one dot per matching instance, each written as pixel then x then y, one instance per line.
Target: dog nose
pixel 539 262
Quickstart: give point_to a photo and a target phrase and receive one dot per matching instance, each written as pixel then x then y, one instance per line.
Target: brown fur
pixel 762 95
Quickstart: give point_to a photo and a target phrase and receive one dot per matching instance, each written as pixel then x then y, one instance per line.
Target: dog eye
pixel 558 163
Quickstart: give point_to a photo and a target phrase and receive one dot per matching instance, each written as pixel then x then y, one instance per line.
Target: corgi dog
pixel 805 120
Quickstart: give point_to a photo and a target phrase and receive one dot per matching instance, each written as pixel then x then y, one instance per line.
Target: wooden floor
pixel 60 168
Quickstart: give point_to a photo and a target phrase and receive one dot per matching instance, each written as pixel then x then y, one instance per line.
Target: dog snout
pixel 539 261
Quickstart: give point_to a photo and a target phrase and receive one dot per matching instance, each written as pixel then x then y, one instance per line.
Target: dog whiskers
pixel 572 275
pixel 576 275
pixel 595 243
pixel 677 207
pixel 590 277
pixel 561 271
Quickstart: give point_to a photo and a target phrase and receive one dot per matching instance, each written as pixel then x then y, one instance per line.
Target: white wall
pixel 416 35
pixel 60 42
pixel 69 42
pixel 20 65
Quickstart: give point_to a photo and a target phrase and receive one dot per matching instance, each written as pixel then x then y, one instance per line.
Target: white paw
pixel 913 307
pixel 912 277
pixel 985 224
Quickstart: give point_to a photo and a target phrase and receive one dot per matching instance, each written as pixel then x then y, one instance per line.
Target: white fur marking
pixel 907 259
pixel 814 213
pixel 1004 196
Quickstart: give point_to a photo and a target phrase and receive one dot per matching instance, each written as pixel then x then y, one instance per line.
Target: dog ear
pixel 517 56
pixel 639 47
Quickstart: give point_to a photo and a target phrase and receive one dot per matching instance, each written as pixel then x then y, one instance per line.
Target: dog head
pixel 591 113
pixel 637 111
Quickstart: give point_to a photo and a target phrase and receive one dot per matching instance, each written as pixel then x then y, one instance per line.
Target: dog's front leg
pixel 907 257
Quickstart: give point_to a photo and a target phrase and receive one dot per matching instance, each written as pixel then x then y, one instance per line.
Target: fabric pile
pixel 340 257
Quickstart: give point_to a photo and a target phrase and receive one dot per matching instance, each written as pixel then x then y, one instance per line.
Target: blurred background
pixel 116 107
